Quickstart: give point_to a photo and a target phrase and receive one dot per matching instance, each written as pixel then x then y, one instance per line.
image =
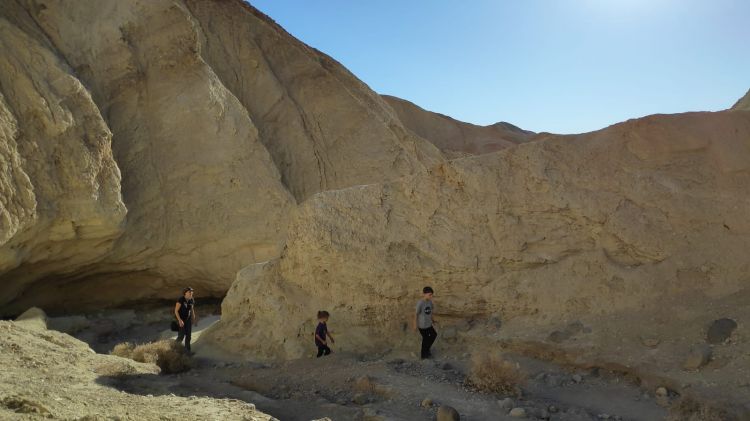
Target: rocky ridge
pixel 456 138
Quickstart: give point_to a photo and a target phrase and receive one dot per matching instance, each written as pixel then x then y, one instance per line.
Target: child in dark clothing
pixel 321 332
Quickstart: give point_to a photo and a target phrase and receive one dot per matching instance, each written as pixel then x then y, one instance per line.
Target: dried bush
pixel 494 374
pixel 169 355
pixel 689 409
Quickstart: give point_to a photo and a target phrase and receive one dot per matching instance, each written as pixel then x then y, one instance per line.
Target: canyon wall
pixel 648 213
pixel 148 145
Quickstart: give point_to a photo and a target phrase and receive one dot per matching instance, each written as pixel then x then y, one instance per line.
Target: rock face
pixel 215 146
pixel 743 104
pixel 145 145
pixel 566 226
pixel 324 128
pixel 60 200
pixel 456 138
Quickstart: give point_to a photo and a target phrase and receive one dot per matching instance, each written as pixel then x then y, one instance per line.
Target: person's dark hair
pixel 322 314
pixel 186 290
pixel 427 290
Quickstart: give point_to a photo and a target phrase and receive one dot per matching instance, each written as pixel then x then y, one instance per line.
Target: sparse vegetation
pixel 170 356
pixel 494 374
pixel 688 409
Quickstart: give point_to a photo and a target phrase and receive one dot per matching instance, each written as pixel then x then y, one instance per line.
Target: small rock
pixel 574 328
pixel 426 403
pixel 536 413
pixel 447 413
pixel 360 399
pixel 447 366
pixel 662 391
pixel 557 336
pixel 650 341
pixel 552 409
pixel 553 380
pixel 364 384
pixel 603 416
pixel 517 413
pixel 506 404
pixel 495 322
pixel 449 334
pixel 698 357
pixel 577 378
pixel 463 326
pixel 370 414
pixel 720 331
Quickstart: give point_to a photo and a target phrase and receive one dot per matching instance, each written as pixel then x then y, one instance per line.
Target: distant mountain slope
pixel 453 137
pixel 743 103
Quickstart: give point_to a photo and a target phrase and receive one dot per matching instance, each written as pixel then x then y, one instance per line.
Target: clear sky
pixel 563 66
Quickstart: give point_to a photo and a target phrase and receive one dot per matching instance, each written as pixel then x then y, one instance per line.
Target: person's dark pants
pixel 428 338
pixel 323 350
pixel 185 332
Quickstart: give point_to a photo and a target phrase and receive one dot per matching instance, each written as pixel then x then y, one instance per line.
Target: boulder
pixel 720 331
pixel 447 413
pixel 697 357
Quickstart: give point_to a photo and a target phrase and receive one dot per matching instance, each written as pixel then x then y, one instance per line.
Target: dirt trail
pixel 392 386
pixel 345 386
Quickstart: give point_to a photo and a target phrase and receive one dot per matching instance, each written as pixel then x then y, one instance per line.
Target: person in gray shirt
pixel 424 322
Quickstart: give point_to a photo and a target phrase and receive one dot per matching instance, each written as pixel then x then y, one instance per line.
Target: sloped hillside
pixel 456 138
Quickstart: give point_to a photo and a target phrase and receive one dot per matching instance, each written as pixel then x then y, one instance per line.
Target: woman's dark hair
pixel 322 314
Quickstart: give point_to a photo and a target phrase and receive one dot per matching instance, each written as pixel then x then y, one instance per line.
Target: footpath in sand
pixel 52 375
pixel 347 386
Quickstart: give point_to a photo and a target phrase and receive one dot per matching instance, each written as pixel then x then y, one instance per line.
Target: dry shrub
pixel 689 409
pixel 494 374
pixel 169 355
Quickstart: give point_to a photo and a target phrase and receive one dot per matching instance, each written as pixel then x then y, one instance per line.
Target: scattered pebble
pixel 577 378
pixel 517 413
pixel 698 356
pixel 720 331
pixel 447 413
pixel 506 403
pixel 360 399
pixel 426 403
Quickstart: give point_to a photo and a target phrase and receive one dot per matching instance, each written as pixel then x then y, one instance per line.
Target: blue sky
pixel 562 66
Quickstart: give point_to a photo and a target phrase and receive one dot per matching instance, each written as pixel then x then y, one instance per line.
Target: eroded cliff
pixel 150 145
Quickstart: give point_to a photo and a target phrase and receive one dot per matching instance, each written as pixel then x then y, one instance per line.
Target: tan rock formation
pixel 456 138
pixel 60 202
pixel 618 220
pixel 203 195
pixel 192 123
pixel 743 104
pixel 324 128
